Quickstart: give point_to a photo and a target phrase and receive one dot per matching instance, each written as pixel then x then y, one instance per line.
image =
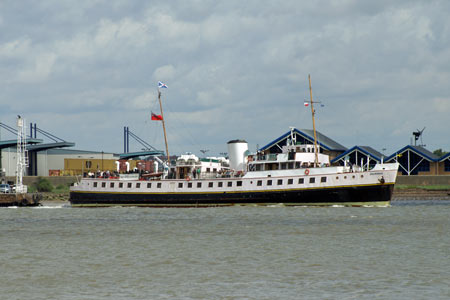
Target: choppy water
pixel 399 252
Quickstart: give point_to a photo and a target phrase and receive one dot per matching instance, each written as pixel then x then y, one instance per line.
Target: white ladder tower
pixel 22 155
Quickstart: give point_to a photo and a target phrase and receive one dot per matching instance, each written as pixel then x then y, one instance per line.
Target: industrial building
pixel 53 162
pixel 54 159
pixel 305 136
pixel 413 160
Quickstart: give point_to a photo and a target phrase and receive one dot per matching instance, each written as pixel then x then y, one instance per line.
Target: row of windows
pixel 269 182
pixel 290 181
pixel 159 184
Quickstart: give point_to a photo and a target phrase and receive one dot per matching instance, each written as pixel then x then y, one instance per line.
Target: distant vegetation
pixel 422 187
pixel 439 152
pixel 43 185
pixel 61 188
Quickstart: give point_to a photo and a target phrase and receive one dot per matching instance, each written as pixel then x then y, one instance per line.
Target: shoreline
pixel 420 194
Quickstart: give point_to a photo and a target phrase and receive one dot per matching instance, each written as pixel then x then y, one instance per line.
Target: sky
pixel 82 70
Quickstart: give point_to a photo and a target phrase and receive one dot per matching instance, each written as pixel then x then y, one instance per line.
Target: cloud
pixel 166 72
pixel 38 69
pixel 16 48
pixel 234 69
pixel 441 105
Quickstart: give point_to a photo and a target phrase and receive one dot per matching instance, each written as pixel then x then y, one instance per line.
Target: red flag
pixel 156 117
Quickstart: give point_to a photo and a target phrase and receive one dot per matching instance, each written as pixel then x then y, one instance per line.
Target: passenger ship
pixel 298 176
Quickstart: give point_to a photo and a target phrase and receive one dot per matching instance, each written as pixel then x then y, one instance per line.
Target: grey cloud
pixel 234 69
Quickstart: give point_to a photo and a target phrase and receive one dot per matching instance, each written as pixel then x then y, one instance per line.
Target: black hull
pixel 353 196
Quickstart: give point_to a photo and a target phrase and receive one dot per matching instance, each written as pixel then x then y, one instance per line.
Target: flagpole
pixel 316 161
pixel 164 127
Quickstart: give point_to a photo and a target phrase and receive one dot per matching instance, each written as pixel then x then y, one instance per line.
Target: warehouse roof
pixel 419 150
pixel 13 143
pixel 308 134
pixel 368 151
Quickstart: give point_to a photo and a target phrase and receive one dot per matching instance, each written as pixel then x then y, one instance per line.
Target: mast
pixel 164 127
pixel 313 112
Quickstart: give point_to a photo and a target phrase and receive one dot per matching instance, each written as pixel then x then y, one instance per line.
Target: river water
pixel 59 252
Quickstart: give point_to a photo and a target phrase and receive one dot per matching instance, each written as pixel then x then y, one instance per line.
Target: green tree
pixel 43 185
pixel 439 152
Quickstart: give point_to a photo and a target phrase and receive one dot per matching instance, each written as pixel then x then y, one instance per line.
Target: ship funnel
pixel 236 153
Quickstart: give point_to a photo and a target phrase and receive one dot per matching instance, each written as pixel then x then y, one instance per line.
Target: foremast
pixel 313 112
pixel 164 127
